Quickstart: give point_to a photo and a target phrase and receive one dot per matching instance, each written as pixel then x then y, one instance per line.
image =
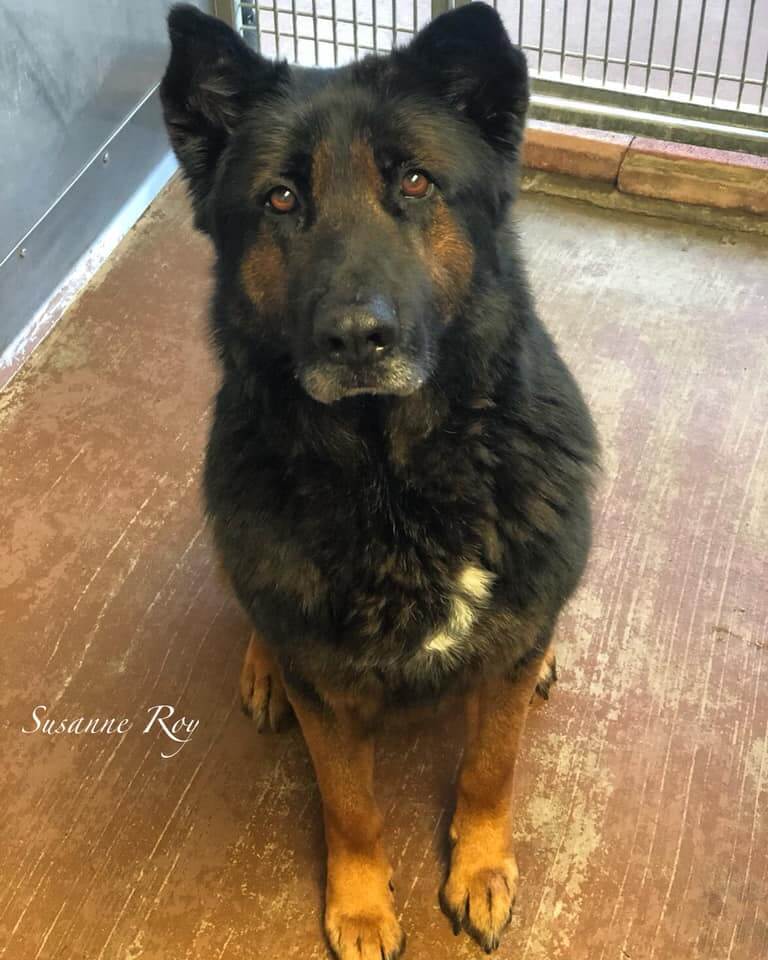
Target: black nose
pixel 357 333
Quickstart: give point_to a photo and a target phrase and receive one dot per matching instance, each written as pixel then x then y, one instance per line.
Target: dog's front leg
pixel 360 920
pixel 480 890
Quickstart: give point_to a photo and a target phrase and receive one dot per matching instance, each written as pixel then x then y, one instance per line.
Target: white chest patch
pixel 471 592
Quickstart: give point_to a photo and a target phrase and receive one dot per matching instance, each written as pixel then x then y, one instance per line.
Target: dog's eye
pixel 282 200
pixel 416 185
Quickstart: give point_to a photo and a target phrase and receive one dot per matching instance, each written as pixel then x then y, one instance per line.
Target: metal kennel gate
pixel 691 70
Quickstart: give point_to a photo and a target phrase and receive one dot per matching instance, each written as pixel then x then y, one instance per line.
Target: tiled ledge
pixel 575 151
pixel 733 186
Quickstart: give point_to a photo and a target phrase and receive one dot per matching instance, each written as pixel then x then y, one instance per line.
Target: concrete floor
pixel 643 795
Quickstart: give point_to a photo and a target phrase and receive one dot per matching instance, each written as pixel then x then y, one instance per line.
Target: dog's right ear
pixel 211 79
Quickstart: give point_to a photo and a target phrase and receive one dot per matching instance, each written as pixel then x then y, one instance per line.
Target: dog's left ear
pixel 471 62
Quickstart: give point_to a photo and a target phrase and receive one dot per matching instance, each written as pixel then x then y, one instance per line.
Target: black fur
pixel 344 525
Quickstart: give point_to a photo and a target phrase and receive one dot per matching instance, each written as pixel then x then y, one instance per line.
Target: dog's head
pixel 352 210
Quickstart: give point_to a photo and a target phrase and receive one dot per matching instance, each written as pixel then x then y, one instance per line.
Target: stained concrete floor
pixel 642 821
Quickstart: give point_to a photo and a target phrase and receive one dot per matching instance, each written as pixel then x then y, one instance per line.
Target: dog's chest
pixel 471 591
pixel 411 569
pixel 384 550
pixel 412 606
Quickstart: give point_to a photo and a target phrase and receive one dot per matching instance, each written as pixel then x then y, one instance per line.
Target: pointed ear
pixel 211 79
pixel 472 64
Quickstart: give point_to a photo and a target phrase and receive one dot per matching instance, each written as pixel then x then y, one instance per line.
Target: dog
pixel 399 469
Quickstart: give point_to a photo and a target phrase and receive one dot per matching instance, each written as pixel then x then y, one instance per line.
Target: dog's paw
pixel 370 934
pixel 480 899
pixel 547 677
pixel 262 694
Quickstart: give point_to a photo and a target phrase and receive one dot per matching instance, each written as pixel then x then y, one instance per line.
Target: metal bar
pixel 335 34
pixel 520 24
pixel 295 32
pixel 322 16
pixel 674 47
pixel 629 41
pixel 543 8
pixel 257 27
pixel 315 33
pixel 564 33
pixel 720 50
pixel 248 28
pixel 745 57
pixel 595 58
pixel 585 48
pixel 632 118
pixel 695 71
pixel 663 67
pixel 375 18
pixel 311 36
pixel 649 103
pixel 651 43
pixel 277 30
pixel 765 87
pixel 354 26
pixel 607 40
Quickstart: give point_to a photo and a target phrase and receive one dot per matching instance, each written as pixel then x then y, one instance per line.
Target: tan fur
pixel 263 276
pixel 344 180
pixel 364 170
pixel 476 582
pixel 360 920
pixel 261 686
pixel 412 420
pixel 481 885
pixel 548 663
pixel 323 171
pixel 543 515
pixel 450 257
pixel 473 588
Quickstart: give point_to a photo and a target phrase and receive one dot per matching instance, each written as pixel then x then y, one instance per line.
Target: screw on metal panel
pixel 23 252
pixel 105 157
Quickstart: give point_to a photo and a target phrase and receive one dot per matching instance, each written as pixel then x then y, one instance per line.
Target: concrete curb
pixel 576 151
pixel 655 170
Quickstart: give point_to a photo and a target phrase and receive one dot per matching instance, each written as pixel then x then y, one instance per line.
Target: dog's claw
pixel 478 911
pixel 547 678
pixel 262 696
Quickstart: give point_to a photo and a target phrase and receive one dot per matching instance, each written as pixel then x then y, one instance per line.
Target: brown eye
pixel 415 185
pixel 282 200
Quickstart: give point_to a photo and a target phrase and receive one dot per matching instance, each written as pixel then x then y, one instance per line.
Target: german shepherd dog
pixel 398 471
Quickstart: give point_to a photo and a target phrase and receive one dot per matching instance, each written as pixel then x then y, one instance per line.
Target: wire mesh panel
pixel 701 51
pixel 330 32
pixel 707 52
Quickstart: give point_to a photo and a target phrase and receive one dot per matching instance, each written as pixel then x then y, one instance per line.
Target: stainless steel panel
pixel 71 74
pixel 138 163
